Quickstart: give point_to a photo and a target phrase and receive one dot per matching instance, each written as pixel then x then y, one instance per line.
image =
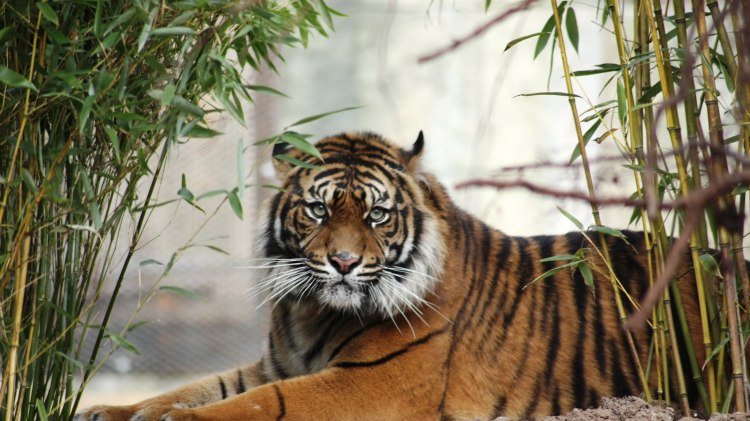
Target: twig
pixel 476 32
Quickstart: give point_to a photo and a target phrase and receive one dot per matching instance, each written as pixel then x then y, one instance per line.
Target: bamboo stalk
pixel 18 298
pixel 594 207
pixel 718 166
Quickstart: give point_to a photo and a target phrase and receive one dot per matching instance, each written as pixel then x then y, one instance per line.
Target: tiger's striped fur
pixel 420 314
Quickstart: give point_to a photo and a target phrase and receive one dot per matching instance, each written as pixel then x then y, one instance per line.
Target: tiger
pixel 392 303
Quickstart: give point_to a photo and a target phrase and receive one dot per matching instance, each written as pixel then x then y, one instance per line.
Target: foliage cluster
pixel 93 96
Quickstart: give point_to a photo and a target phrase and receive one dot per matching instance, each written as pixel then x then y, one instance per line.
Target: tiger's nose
pixel 344 262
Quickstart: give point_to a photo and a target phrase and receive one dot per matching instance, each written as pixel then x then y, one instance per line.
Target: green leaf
pixel 235 203
pixel 551 272
pixel 622 106
pixel 186 106
pixel 319 116
pixel 42 410
pixel 146 31
pixel 572 218
pixel 487 6
pixel 602 68
pixel 4 33
pixel 731 139
pixel 608 231
pixel 586 137
pixel 28 179
pixel 168 94
pixel 148 262
pixel 266 90
pixel 171 31
pixel 183 292
pixel 559 257
pixel 124 343
pixel 11 78
pixel 709 264
pixel 48 13
pixel 294 161
pixel 550 93
pixel 85 112
pixel 299 142
pixel 571 26
pixel 588 277
pixel 200 132
pixel 544 36
pixel 512 43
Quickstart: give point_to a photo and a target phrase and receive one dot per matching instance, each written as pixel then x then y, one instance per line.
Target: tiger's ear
pixel 412 157
pixel 282 167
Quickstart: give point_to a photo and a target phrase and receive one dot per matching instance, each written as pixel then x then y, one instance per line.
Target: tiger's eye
pixel 318 209
pixel 377 214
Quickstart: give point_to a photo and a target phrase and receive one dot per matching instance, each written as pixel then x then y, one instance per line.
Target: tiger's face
pixel 353 233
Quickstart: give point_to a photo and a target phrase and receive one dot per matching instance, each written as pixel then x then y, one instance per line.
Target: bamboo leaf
pixel 571 27
pixel 266 90
pixel 123 343
pixel 588 277
pixel 182 292
pixel 586 137
pixel 83 118
pixel 294 161
pixel 571 218
pixel 200 132
pixel 299 142
pixel 550 93
pixel 512 43
pixel 11 78
pixel 560 257
pixel 608 231
pixel 622 106
pixel 709 264
pixel 171 31
pixel 42 410
pixel 235 203
pixel 551 272
pixel 319 116
pixel 544 35
pixel 48 13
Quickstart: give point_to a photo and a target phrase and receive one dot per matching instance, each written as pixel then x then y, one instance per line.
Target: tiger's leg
pixel 202 392
pixel 405 384
pixel 335 394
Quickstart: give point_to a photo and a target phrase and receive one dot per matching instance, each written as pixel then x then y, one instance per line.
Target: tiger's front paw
pixel 124 413
pixel 106 413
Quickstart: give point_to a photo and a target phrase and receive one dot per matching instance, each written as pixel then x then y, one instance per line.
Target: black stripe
pixel 556 401
pixel 499 408
pixel 275 363
pixel 240 383
pixel 350 338
pixel 325 336
pixel 392 355
pixel 550 296
pixel 525 275
pixel 282 404
pixel 223 388
pixel 580 297
pixel 500 259
pixel 620 380
pixel 482 256
pixel 504 282
pixel 465 231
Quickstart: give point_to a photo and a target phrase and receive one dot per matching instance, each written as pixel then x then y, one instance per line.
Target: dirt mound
pixel 631 409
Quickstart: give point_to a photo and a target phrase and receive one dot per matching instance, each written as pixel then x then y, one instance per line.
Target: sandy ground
pixel 631 408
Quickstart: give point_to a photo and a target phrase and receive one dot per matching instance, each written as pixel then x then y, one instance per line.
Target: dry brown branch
pixel 698 199
pixel 476 32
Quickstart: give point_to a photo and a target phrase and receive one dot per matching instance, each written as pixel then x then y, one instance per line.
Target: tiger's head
pixel 352 231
